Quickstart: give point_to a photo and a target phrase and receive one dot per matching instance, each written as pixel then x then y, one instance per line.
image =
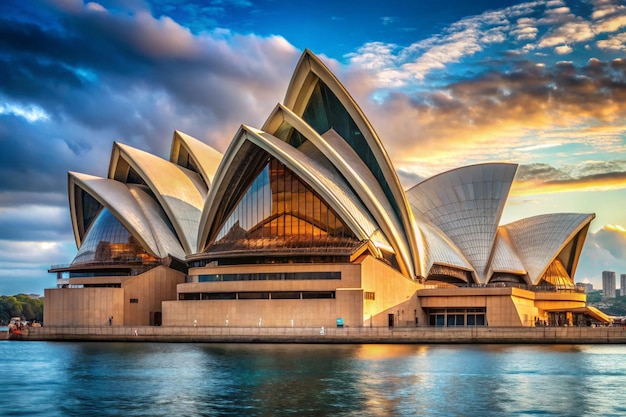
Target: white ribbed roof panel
pixel 505 257
pixel 438 250
pixel 163 234
pixel 204 157
pixel 539 239
pixel 180 194
pixel 362 180
pixel 466 204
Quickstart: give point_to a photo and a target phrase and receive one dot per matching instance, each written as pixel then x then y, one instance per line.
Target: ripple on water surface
pixel 148 379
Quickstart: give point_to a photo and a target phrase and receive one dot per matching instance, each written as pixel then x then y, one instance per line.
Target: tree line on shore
pixel 20 305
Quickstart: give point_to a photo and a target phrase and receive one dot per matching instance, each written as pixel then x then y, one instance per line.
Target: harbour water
pixel 185 379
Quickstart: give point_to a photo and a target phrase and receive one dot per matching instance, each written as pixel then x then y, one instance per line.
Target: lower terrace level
pixel 418 335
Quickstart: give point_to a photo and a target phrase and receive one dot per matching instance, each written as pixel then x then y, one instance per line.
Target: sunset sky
pixel 540 83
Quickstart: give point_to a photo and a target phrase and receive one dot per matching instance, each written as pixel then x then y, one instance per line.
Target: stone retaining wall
pixel 515 335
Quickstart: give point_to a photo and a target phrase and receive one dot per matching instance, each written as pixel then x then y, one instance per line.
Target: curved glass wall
pixel 108 242
pixel 280 212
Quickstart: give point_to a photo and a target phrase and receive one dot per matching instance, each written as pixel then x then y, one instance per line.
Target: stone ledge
pixel 418 335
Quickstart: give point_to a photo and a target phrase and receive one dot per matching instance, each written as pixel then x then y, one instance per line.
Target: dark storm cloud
pixel 30 152
pixel 599 171
pixel 518 96
pixel 75 77
pixel 99 76
pixel 32 223
pixel 594 168
pixel 540 172
pixel 588 175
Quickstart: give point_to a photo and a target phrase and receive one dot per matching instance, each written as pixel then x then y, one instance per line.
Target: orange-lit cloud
pixel 510 107
pixel 599 182
pixel 502 115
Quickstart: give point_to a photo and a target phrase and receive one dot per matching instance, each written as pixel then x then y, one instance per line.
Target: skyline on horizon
pixel 541 84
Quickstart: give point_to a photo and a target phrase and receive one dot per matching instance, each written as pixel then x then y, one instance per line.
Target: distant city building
pixel 305 223
pixel 588 287
pixel 622 285
pixel 608 284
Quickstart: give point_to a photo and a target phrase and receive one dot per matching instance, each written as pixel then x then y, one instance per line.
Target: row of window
pixel 292 258
pixel 269 276
pixel 258 295
pixel 457 317
pixel 97 286
pixel 91 274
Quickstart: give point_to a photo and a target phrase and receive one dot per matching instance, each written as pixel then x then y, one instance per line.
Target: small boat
pixel 16 326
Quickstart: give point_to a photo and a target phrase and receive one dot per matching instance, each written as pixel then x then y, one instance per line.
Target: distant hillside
pixel 27 307
pixel 613 306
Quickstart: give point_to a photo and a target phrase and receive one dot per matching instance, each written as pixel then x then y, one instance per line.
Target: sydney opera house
pixel 303 222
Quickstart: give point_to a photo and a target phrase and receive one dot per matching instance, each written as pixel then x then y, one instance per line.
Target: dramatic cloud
pixel 525 30
pixel 544 179
pixel 615 43
pixel 510 114
pixel 78 77
pixel 608 16
pixel 509 107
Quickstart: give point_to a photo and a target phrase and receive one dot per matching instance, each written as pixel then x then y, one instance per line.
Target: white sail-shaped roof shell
pixel 332 188
pixel 447 224
pixel 308 71
pixel 181 192
pixel 540 239
pixel 205 158
pixel 466 204
pixel 132 207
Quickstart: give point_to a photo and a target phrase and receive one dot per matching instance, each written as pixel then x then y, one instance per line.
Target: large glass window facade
pixel 108 241
pixel 281 212
pixel 324 111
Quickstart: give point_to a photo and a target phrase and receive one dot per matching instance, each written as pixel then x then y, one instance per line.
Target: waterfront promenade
pixel 515 335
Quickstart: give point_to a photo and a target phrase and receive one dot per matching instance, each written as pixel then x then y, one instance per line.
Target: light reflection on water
pixel 147 379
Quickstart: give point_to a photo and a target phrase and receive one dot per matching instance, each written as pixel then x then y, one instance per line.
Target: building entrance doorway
pixel 390 320
pixel 157 318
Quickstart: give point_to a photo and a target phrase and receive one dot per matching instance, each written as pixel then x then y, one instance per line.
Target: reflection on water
pixel 147 379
